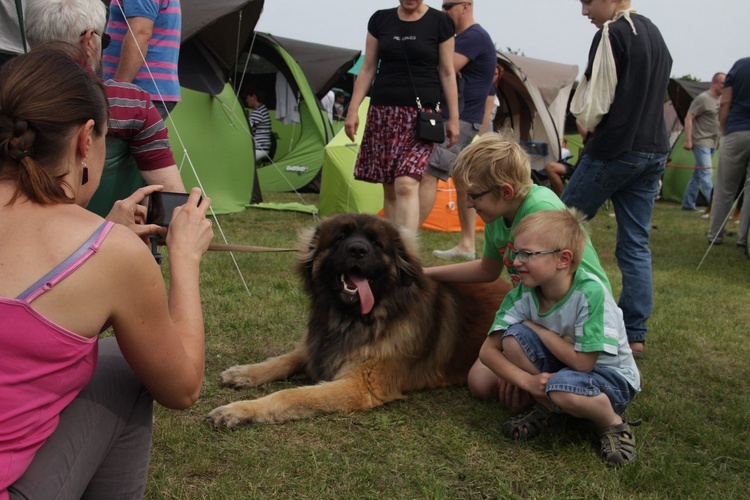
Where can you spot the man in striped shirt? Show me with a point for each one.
(145, 48)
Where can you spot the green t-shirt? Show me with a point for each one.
(498, 236)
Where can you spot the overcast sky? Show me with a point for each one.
(704, 36)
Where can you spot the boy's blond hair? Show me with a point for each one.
(491, 161)
(564, 229)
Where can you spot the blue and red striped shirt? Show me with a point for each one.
(163, 49)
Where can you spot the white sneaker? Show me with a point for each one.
(454, 253)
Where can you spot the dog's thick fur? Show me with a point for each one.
(418, 334)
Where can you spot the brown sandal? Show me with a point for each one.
(533, 423)
(618, 443)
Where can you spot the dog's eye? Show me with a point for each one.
(375, 241)
(343, 233)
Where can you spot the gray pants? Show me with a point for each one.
(442, 159)
(102, 444)
(734, 162)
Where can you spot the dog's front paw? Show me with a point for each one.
(230, 416)
(239, 376)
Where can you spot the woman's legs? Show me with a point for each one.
(102, 444)
(401, 202)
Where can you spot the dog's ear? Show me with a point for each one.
(307, 245)
(407, 260)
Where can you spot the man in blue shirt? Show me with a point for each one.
(474, 59)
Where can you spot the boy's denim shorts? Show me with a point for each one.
(601, 380)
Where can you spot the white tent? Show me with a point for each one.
(533, 102)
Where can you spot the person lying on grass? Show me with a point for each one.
(560, 336)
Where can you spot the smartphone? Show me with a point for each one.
(161, 204)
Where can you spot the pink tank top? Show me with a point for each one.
(44, 367)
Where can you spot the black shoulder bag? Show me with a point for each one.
(430, 125)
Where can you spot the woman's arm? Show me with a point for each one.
(163, 338)
(447, 75)
(361, 86)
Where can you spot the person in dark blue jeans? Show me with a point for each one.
(626, 157)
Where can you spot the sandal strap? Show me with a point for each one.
(532, 423)
(618, 443)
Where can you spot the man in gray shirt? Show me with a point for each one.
(702, 137)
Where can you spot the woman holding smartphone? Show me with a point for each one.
(77, 410)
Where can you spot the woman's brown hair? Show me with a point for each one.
(44, 96)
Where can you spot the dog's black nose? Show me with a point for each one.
(357, 249)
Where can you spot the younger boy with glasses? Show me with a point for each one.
(495, 174)
(560, 336)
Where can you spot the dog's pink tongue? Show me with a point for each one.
(366, 300)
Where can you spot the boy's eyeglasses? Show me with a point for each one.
(449, 5)
(106, 39)
(476, 196)
(525, 256)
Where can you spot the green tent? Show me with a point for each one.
(309, 70)
(339, 191)
(220, 156)
(208, 130)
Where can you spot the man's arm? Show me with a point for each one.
(459, 61)
(724, 105)
(689, 131)
(488, 106)
(134, 48)
(169, 177)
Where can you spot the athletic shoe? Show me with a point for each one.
(454, 253)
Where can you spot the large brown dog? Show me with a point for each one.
(378, 327)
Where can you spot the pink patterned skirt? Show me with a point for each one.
(390, 147)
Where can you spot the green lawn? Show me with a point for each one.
(695, 402)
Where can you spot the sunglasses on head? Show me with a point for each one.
(449, 5)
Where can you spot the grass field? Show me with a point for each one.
(694, 441)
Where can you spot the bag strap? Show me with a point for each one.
(411, 78)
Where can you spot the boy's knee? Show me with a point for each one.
(563, 400)
(513, 350)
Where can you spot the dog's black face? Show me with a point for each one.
(355, 260)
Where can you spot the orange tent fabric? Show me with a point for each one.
(444, 215)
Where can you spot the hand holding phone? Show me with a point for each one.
(161, 205)
(190, 232)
